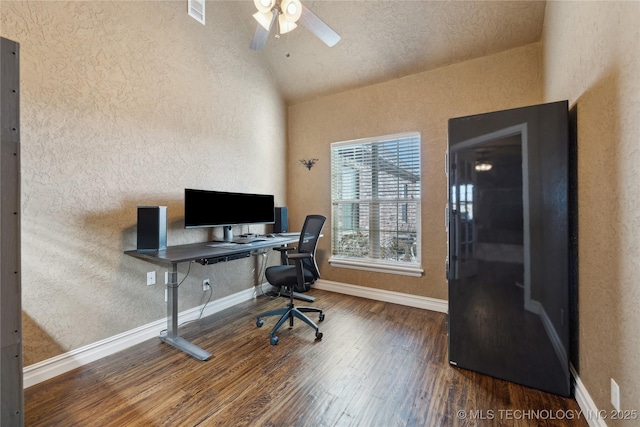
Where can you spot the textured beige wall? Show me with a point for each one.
(126, 104)
(421, 102)
(592, 58)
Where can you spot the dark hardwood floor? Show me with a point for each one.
(378, 364)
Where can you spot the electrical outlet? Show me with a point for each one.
(151, 278)
(615, 395)
(206, 285)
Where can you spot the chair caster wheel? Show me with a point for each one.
(274, 340)
(321, 317)
(318, 335)
(259, 323)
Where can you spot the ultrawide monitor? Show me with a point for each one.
(203, 208)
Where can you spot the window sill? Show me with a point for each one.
(403, 269)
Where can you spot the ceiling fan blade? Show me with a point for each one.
(262, 34)
(259, 38)
(317, 26)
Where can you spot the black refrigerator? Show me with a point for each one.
(508, 225)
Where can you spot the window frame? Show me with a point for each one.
(411, 267)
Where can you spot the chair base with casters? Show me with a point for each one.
(290, 312)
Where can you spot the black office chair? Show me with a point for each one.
(300, 275)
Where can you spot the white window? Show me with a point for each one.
(375, 204)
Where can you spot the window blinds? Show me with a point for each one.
(375, 192)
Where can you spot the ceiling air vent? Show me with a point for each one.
(196, 10)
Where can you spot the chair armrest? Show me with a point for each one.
(300, 256)
(284, 256)
(284, 248)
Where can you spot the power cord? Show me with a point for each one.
(185, 276)
(202, 309)
(263, 268)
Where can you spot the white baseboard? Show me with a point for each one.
(590, 411)
(417, 301)
(47, 369)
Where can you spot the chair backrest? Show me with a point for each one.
(309, 241)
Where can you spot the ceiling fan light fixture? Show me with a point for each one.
(264, 6)
(291, 9)
(483, 166)
(264, 19)
(284, 25)
(288, 13)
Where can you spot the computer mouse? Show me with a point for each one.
(271, 235)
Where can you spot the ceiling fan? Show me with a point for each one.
(287, 13)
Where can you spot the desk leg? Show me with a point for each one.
(172, 337)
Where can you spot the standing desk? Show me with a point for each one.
(205, 253)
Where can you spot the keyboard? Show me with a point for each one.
(289, 234)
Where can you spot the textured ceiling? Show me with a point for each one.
(383, 40)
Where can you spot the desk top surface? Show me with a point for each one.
(203, 250)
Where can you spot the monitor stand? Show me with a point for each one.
(228, 233)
